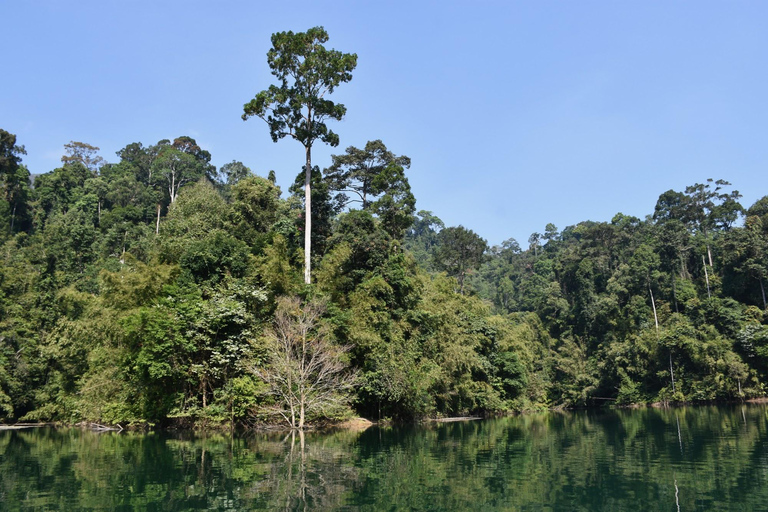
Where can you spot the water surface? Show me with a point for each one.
(693, 458)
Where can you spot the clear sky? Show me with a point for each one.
(514, 113)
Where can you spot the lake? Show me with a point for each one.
(688, 458)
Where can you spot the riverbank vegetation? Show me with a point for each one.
(156, 288)
(126, 300)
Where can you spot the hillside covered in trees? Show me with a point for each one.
(156, 288)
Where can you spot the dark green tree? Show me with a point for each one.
(14, 182)
(180, 163)
(421, 238)
(460, 251)
(376, 177)
(760, 209)
(233, 172)
(748, 251)
(363, 172)
(396, 206)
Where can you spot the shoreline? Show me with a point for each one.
(358, 424)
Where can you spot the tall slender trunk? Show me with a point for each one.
(709, 253)
(122, 257)
(157, 225)
(671, 372)
(762, 289)
(706, 276)
(653, 304)
(172, 187)
(308, 217)
(13, 216)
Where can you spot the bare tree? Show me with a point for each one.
(83, 153)
(305, 370)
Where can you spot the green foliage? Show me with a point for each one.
(377, 178)
(307, 71)
(276, 269)
(216, 256)
(460, 251)
(421, 240)
(366, 244)
(139, 292)
(14, 187)
(256, 207)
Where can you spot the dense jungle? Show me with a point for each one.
(156, 289)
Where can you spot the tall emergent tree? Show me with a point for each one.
(297, 107)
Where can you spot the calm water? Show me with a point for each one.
(696, 458)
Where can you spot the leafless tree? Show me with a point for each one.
(305, 371)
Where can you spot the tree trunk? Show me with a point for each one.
(684, 274)
(762, 289)
(13, 216)
(671, 373)
(653, 303)
(157, 225)
(122, 257)
(172, 188)
(706, 276)
(308, 217)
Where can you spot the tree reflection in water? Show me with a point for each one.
(694, 458)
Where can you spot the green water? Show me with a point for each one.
(694, 458)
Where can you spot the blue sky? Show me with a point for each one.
(515, 114)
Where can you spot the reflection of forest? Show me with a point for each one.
(597, 460)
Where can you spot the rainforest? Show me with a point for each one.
(155, 289)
